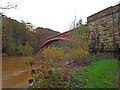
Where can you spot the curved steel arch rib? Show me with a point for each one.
(52, 40)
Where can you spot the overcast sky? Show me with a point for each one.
(56, 14)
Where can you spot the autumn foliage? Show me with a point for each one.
(19, 38)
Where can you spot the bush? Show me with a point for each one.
(50, 76)
(52, 53)
(78, 55)
(65, 54)
(57, 75)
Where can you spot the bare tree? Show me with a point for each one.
(8, 5)
(75, 23)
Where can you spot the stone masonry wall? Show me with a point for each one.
(105, 26)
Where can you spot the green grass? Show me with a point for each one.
(100, 74)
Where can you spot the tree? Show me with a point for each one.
(73, 24)
(79, 23)
(27, 49)
(10, 48)
(8, 4)
(29, 26)
(76, 23)
(14, 37)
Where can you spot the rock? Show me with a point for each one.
(31, 81)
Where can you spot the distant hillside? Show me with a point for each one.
(44, 33)
(18, 40)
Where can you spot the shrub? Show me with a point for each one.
(56, 75)
(52, 53)
(50, 76)
(78, 55)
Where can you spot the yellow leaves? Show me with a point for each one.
(68, 66)
(78, 54)
(53, 53)
(68, 77)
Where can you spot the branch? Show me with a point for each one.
(9, 6)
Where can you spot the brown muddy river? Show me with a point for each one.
(15, 74)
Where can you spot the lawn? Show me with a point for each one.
(100, 74)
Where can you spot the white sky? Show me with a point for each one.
(56, 14)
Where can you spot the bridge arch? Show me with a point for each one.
(52, 40)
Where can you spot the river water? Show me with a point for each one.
(15, 74)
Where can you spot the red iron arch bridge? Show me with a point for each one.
(80, 34)
(63, 36)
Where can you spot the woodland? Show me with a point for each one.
(18, 39)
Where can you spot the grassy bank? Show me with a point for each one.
(100, 74)
(82, 69)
